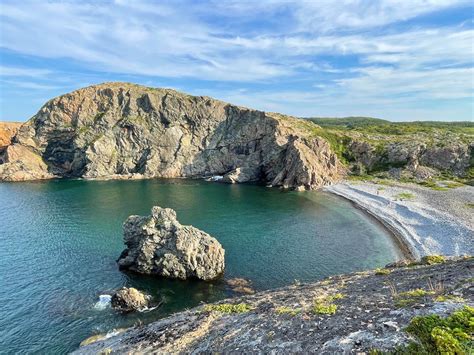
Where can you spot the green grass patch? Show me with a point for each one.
(449, 298)
(325, 305)
(382, 271)
(408, 298)
(228, 308)
(470, 205)
(433, 259)
(288, 311)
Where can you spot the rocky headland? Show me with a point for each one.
(159, 245)
(414, 308)
(121, 130)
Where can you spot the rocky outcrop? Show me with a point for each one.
(357, 313)
(120, 130)
(129, 299)
(7, 131)
(159, 245)
(412, 156)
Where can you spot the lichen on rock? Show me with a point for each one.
(159, 245)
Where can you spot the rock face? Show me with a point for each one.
(417, 158)
(120, 130)
(160, 245)
(7, 131)
(371, 311)
(129, 299)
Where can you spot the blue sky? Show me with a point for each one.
(399, 60)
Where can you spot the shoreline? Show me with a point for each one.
(397, 237)
(422, 221)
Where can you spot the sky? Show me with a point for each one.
(395, 59)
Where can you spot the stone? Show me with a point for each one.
(122, 130)
(240, 285)
(159, 245)
(129, 299)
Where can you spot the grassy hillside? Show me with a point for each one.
(375, 146)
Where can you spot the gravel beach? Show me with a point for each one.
(428, 221)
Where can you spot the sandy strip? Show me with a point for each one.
(430, 222)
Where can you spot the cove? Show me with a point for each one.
(60, 240)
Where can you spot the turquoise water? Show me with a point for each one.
(60, 239)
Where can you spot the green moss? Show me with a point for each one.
(470, 205)
(449, 298)
(433, 259)
(288, 310)
(322, 308)
(228, 308)
(436, 335)
(411, 297)
(382, 271)
(325, 305)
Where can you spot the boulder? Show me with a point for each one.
(159, 245)
(129, 299)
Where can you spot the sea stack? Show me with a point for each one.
(159, 245)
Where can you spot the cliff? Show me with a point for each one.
(121, 130)
(7, 131)
(412, 309)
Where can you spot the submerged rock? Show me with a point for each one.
(240, 285)
(159, 245)
(129, 299)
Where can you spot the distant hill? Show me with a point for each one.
(359, 122)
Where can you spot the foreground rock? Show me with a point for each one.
(129, 299)
(343, 314)
(120, 130)
(159, 245)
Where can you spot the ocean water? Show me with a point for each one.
(59, 241)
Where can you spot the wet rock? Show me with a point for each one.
(240, 285)
(129, 299)
(159, 245)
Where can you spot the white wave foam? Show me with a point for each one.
(104, 302)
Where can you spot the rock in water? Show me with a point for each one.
(160, 245)
(129, 299)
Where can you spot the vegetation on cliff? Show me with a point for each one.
(410, 151)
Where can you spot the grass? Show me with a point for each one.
(470, 205)
(229, 308)
(408, 298)
(288, 310)
(433, 259)
(325, 305)
(405, 196)
(449, 298)
(436, 335)
(382, 271)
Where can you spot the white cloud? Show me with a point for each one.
(183, 39)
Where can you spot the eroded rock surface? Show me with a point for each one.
(372, 310)
(120, 130)
(129, 299)
(159, 245)
(7, 131)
